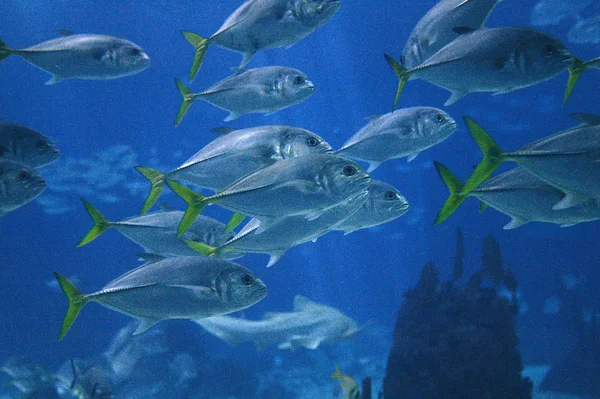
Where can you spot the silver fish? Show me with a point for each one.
(520, 195)
(84, 56)
(436, 28)
(157, 232)
(568, 160)
(384, 204)
(262, 24)
(402, 133)
(25, 145)
(91, 383)
(307, 185)
(497, 60)
(250, 91)
(309, 325)
(283, 233)
(19, 185)
(175, 288)
(235, 155)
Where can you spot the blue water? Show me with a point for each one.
(125, 122)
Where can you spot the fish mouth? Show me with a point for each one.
(364, 182)
(567, 58)
(37, 185)
(260, 293)
(401, 207)
(330, 6)
(144, 61)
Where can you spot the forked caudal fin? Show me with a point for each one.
(101, 224)
(234, 222)
(402, 74)
(77, 301)
(196, 203)
(576, 69)
(493, 156)
(201, 248)
(157, 180)
(5, 51)
(188, 99)
(454, 199)
(201, 45)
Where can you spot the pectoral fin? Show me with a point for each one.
(232, 116)
(144, 325)
(297, 342)
(569, 200)
(411, 157)
(454, 97)
(515, 222)
(54, 79)
(315, 214)
(372, 166)
(275, 256)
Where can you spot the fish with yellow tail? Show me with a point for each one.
(174, 288)
(498, 60)
(263, 24)
(348, 385)
(567, 160)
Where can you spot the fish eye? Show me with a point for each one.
(23, 175)
(390, 195)
(349, 170)
(549, 50)
(135, 51)
(299, 80)
(247, 279)
(41, 144)
(439, 118)
(312, 142)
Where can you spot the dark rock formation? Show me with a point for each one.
(453, 342)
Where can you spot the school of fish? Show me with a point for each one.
(290, 183)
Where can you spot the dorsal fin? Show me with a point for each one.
(149, 257)
(371, 118)
(302, 303)
(586, 119)
(65, 32)
(461, 30)
(223, 130)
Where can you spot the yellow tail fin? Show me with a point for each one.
(201, 45)
(76, 302)
(188, 99)
(196, 204)
(157, 180)
(5, 51)
(101, 224)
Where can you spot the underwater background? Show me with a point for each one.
(105, 128)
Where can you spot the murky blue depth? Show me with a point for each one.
(105, 128)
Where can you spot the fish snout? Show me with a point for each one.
(144, 60)
(260, 292)
(401, 206)
(329, 7)
(567, 57)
